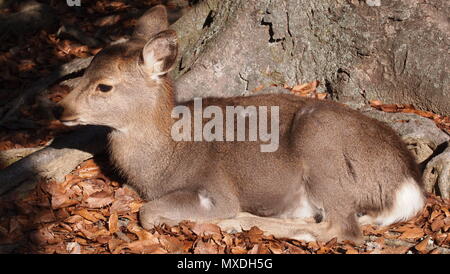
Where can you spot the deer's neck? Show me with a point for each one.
(143, 149)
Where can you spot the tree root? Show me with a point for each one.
(54, 161)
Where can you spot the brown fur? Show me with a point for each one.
(342, 162)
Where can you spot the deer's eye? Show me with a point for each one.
(104, 88)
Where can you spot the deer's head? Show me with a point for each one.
(126, 79)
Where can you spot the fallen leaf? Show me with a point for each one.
(305, 89)
(238, 250)
(86, 214)
(438, 224)
(98, 200)
(422, 246)
(172, 244)
(113, 223)
(412, 233)
(142, 234)
(206, 229)
(208, 247)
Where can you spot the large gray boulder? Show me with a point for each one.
(395, 51)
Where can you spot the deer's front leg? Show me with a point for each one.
(197, 206)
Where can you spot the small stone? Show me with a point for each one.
(373, 3)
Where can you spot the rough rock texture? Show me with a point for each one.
(396, 51)
(437, 174)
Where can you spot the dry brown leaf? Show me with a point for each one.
(446, 212)
(238, 250)
(434, 214)
(227, 239)
(73, 219)
(206, 229)
(89, 231)
(86, 214)
(91, 186)
(107, 20)
(43, 236)
(142, 247)
(305, 89)
(275, 248)
(395, 250)
(350, 250)
(323, 250)
(254, 250)
(44, 216)
(435, 251)
(125, 200)
(142, 234)
(331, 242)
(412, 233)
(113, 245)
(172, 244)
(208, 247)
(255, 235)
(440, 238)
(389, 107)
(113, 223)
(98, 199)
(89, 171)
(135, 206)
(422, 246)
(438, 224)
(62, 196)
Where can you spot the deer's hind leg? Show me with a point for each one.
(297, 228)
(197, 206)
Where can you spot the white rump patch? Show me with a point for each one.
(408, 201)
(205, 202)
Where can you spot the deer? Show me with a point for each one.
(335, 169)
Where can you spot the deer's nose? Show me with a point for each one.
(58, 111)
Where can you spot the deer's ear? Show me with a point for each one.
(160, 53)
(151, 23)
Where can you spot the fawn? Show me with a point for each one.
(334, 168)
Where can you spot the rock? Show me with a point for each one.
(437, 173)
(8, 157)
(373, 3)
(395, 51)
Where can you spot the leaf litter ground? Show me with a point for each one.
(91, 212)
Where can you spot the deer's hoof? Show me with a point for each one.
(149, 219)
